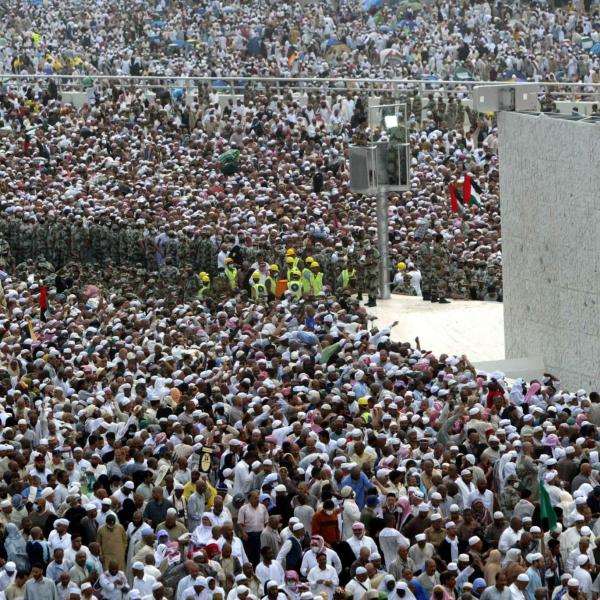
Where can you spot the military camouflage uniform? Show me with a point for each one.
(372, 274)
(424, 263)
(7, 262)
(439, 273)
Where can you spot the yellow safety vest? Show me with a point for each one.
(271, 284)
(346, 275)
(317, 284)
(296, 288)
(231, 275)
(258, 290)
(203, 291)
(307, 280)
(291, 267)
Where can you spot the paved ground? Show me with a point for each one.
(472, 328)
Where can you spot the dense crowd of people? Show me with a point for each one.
(135, 181)
(482, 40)
(156, 448)
(196, 402)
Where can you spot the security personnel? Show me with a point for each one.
(363, 406)
(293, 263)
(295, 285)
(271, 281)
(347, 278)
(204, 285)
(317, 278)
(307, 276)
(231, 273)
(259, 290)
(289, 261)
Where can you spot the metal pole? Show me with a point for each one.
(383, 244)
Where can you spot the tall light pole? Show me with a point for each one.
(381, 166)
(383, 244)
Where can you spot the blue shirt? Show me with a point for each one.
(359, 487)
(360, 390)
(535, 582)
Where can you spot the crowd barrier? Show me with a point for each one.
(186, 88)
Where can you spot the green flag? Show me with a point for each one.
(546, 509)
(329, 352)
(475, 198)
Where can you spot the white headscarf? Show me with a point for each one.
(203, 533)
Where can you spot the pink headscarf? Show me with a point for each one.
(318, 539)
(404, 504)
(446, 596)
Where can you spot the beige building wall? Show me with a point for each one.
(550, 202)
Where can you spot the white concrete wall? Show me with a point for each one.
(550, 201)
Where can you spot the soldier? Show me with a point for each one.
(424, 260)
(417, 107)
(328, 266)
(6, 259)
(221, 289)
(191, 284)
(206, 255)
(114, 250)
(185, 249)
(372, 270)
(170, 275)
(478, 281)
(439, 276)
(458, 281)
(135, 242)
(80, 242)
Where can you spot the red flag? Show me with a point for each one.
(467, 190)
(453, 200)
(43, 302)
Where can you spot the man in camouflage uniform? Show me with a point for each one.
(371, 271)
(459, 286)
(7, 262)
(169, 275)
(424, 263)
(417, 107)
(450, 115)
(439, 274)
(80, 241)
(493, 283)
(206, 255)
(149, 250)
(478, 281)
(191, 284)
(135, 242)
(327, 266)
(185, 248)
(13, 237)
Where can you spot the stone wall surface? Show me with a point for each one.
(550, 202)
